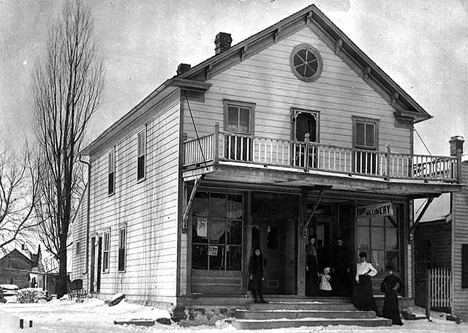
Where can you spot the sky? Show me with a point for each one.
(94, 316)
(422, 45)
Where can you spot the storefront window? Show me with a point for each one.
(217, 231)
(378, 236)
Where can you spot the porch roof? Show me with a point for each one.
(253, 175)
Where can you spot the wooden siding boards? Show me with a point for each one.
(460, 236)
(266, 80)
(148, 208)
(78, 234)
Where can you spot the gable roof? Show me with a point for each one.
(405, 106)
(12, 253)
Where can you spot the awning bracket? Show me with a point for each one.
(189, 203)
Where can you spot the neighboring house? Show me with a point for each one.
(290, 132)
(442, 242)
(20, 267)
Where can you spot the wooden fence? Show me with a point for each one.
(439, 284)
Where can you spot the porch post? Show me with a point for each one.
(301, 243)
(216, 145)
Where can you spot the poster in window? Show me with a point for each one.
(202, 227)
(213, 251)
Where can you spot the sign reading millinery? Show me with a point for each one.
(384, 209)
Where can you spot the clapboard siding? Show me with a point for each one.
(78, 260)
(460, 235)
(266, 80)
(148, 208)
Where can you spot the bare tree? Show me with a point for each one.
(67, 88)
(19, 191)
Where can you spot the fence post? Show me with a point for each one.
(428, 294)
(216, 144)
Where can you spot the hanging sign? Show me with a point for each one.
(384, 209)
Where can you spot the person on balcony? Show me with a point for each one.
(363, 297)
(256, 264)
(391, 286)
(311, 267)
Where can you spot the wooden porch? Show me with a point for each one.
(223, 148)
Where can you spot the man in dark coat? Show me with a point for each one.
(256, 275)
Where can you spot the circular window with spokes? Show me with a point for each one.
(306, 62)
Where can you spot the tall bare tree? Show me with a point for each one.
(67, 88)
(19, 192)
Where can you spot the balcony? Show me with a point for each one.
(223, 148)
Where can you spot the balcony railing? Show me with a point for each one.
(311, 156)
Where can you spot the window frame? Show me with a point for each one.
(464, 266)
(239, 104)
(366, 155)
(122, 249)
(106, 251)
(313, 50)
(141, 154)
(366, 121)
(210, 219)
(111, 172)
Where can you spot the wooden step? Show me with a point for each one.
(283, 312)
(253, 324)
(302, 305)
(299, 314)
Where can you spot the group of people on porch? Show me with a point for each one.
(358, 287)
(318, 278)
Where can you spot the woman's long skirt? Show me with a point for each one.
(390, 307)
(363, 297)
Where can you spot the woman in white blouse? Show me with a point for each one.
(363, 297)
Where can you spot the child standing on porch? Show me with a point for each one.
(256, 275)
(325, 286)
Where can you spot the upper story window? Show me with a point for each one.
(141, 164)
(306, 62)
(238, 117)
(366, 137)
(366, 131)
(238, 122)
(106, 252)
(122, 247)
(111, 173)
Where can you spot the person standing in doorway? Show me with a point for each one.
(311, 267)
(256, 264)
(341, 267)
(391, 286)
(363, 297)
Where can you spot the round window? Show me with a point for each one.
(306, 62)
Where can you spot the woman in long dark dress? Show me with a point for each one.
(391, 286)
(256, 275)
(363, 297)
(311, 267)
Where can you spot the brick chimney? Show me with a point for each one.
(222, 42)
(456, 143)
(182, 68)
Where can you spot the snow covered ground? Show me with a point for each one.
(95, 316)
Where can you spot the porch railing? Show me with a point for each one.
(306, 155)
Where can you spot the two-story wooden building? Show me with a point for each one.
(290, 132)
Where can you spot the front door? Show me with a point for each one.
(268, 234)
(274, 230)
